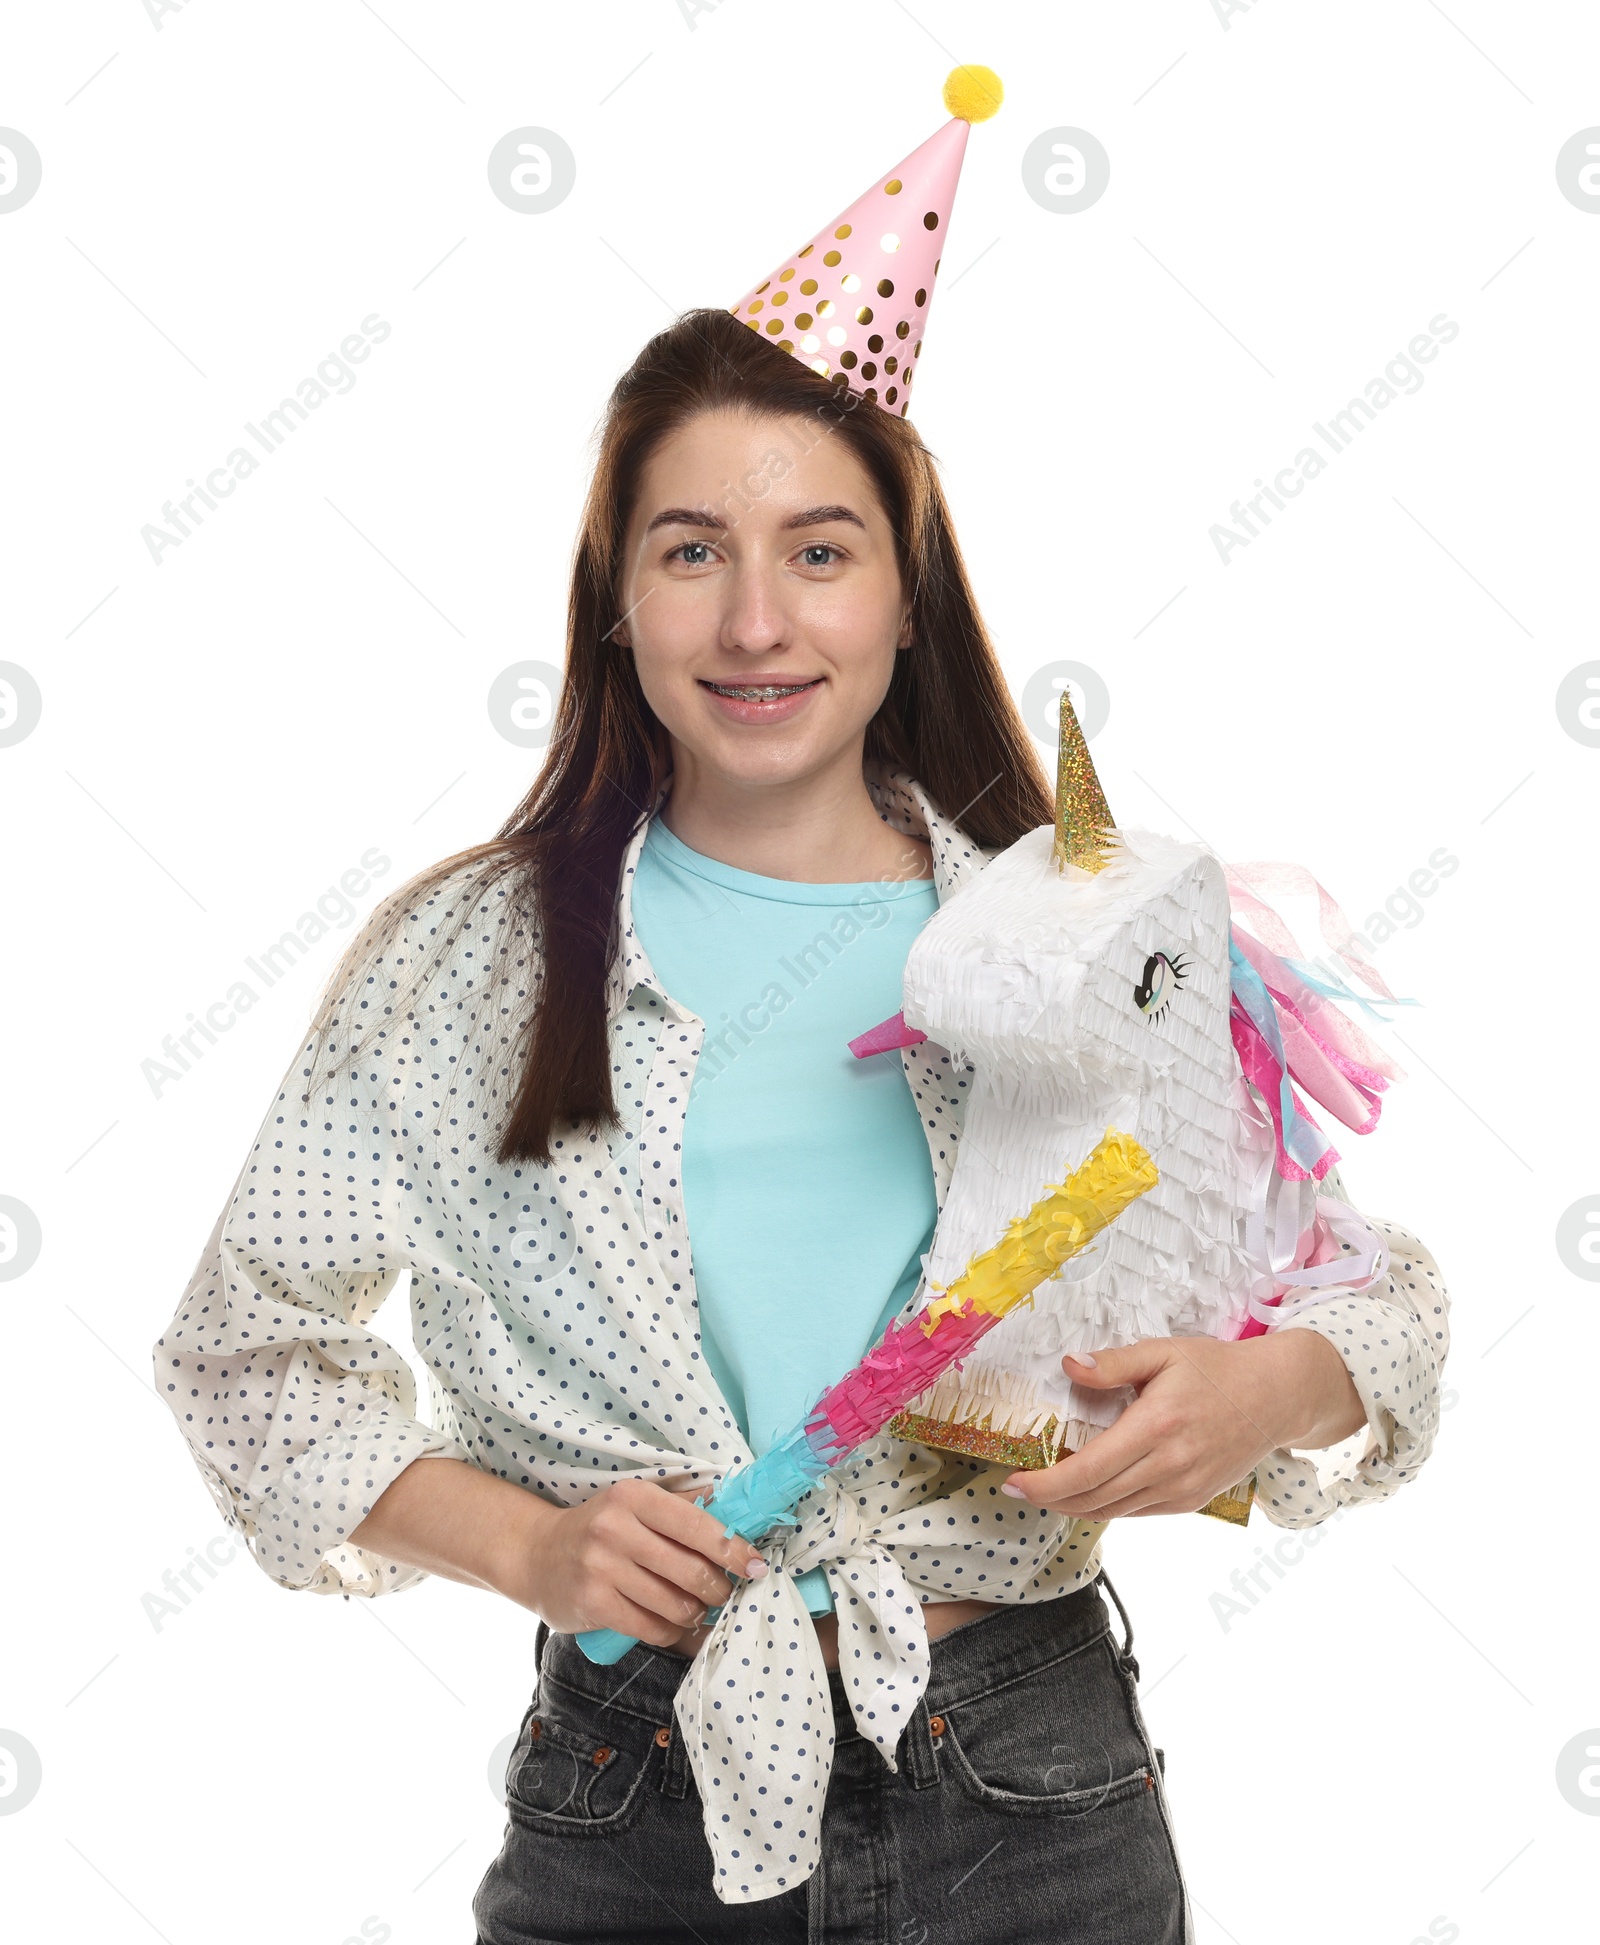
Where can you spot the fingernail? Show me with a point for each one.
(1016, 1492)
(1082, 1357)
(756, 1568)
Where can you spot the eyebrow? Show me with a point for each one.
(704, 517)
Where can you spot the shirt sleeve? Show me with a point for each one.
(1394, 1339)
(297, 1414)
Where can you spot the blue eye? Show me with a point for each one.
(1162, 978)
(703, 545)
(821, 547)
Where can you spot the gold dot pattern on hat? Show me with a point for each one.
(833, 257)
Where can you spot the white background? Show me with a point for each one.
(1371, 1749)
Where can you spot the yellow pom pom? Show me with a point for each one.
(973, 94)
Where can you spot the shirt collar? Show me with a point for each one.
(900, 801)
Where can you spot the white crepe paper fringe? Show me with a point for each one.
(1028, 974)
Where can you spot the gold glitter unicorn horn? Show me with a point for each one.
(1083, 819)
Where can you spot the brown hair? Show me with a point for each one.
(948, 718)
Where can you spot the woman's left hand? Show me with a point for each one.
(1206, 1413)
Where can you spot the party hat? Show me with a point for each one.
(853, 303)
(1083, 818)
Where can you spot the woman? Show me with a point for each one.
(780, 710)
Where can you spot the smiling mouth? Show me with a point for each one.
(758, 691)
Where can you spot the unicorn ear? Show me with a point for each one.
(1083, 820)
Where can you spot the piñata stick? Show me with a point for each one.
(915, 1352)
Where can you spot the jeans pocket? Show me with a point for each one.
(568, 1774)
(1059, 1741)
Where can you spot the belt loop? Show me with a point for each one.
(1126, 1650)
(540, 1634)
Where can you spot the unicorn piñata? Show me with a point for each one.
(1096, 977)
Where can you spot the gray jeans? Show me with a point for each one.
(1029, 1805)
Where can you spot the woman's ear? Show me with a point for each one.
(905, 630)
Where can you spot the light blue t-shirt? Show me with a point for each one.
(807, 1181)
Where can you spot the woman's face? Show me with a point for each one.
(761, 597)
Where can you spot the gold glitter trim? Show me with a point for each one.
(1083, 819)
(1025, 1454)
(1231, 1506)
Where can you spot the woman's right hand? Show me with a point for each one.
(636, 1556)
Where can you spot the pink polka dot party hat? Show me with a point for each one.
(853, 303)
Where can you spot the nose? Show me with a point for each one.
(754, 619)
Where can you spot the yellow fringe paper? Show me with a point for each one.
(1066, 1218)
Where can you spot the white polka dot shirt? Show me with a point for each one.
(555, 1310)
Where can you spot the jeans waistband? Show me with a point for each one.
(970, 1661)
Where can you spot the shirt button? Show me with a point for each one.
(601, 1754)
(936, 1724)
(536, 1731)
(663, 1737)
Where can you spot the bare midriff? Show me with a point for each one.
(940, 1616)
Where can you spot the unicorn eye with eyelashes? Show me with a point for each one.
(1162, 978)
